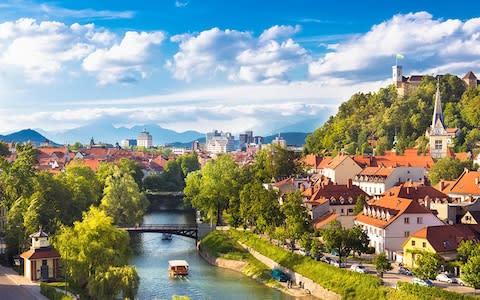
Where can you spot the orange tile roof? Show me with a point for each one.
(312, 160)
(331, 190)
(467, 183)
(395, 206)
(325, 162)
(325, 220)
(462, 156)
(415, 192)
(336, 161)
(92, 163)
(445, 186)
(40, 253)
(446, 238)
(376, 171)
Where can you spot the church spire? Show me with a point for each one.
(437, 110)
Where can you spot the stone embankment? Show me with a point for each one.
(308, 285)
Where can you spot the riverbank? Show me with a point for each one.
(220, 250)
(342, 282)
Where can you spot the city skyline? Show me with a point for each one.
(203, 65)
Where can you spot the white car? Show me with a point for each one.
(337, 263)
(446, 278)
(359, 268)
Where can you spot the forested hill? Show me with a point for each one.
(384, 114)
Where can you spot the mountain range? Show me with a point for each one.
(109, 134)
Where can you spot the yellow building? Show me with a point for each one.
(41, 262)
(442, 240)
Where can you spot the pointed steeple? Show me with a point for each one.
(437, 110)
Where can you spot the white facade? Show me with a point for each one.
(390, 239)
(144, 139)
(219, 142)
(343, 171)
(377, 185)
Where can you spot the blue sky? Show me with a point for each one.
(230, 65)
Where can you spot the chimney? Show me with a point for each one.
(476, 180)
(408, 190)
(442, 185)
(349, 183)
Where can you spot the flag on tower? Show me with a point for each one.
(399, 56)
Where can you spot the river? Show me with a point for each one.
(151, 256)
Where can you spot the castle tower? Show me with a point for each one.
(470, 80)
(438, 136)
(397, 75)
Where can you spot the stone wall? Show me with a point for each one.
(308, 284)
(234, 265)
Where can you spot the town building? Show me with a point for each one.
(471, 80)
(340, 169)
(404, 85)
(280, 142)
(376, 180)
(41, 262)
(144, 139)
(440, 137)
(471, 217)
(219, 142)
(128, 143)
(390, 220)
(442, 240)
(245, 139)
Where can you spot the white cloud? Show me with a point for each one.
(424, 41)
(126, 61)
(56, 11)
(180, 4)
(238, 54)
(41, 48)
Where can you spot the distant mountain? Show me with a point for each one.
(25, 135)
(107, 133)
(292, 138)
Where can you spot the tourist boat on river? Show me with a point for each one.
(177, 268)
(166, 236)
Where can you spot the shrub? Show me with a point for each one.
(51, 293)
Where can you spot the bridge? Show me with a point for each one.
(187, 230)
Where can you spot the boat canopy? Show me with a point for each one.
(178, 263)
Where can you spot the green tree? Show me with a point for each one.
(284, 162)
(467, 249)
(358, 239)
(4, 149)
(122, 199)
(382, 264)
(316, 248)
(471, 271)
(91, 249)
(189, 163)
(446, 169)
(428, 265)
(259, 207)
(173, 176)
(296, 217)
(115, 280)
(344, 241)
(215, 188)
(361, 202)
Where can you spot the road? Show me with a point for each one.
(15, 287)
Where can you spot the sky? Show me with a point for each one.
(227, 65)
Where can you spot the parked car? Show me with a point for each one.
(461, 282)
(405, 271)
(422, 282)
(359, 268)
(326, 259)
(302, 251)
(446, 278)
(337, 263)
(279, 275)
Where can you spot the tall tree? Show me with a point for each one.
(296, 217)
(381, 263)
(428, 265)
(91, 250)
(4, 149)
(361, 202)
(471, 271)
(217, 187)
(122, 200)
(446, 168)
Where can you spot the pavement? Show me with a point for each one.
(16, 287)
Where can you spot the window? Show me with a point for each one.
(438, 145)
(341, 210)
(413, 243)
(424, 245)
(419, 220)
(407, 233)
(406, 220)
(350, 210)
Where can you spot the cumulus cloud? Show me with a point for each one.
(41, 48)
(238, 54)
(427, 43)
(180, 4)
(126, 61)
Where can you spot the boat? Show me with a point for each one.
(177, 268)
(166, 236)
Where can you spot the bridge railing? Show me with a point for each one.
(162, 226)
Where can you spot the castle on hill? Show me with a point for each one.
(406, 85)
(440, 136)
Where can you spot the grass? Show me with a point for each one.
(49, 291)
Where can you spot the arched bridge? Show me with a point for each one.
(187, 230)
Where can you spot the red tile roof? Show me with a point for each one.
(325, 220)
(415, 192)
(376, 171)
(446, 238)
(312, 161)
(40, 253)
(462, 156)
(409, 158)
(468, 183)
